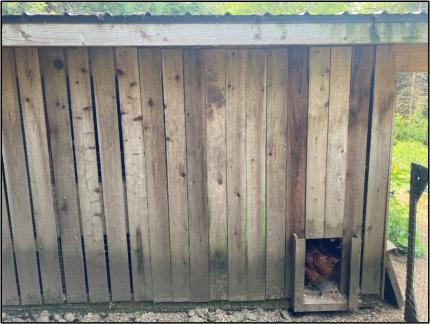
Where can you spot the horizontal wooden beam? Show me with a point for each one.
(412, 58)
(221, 34)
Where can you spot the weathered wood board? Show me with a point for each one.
(102, 60)
(359, 104)
(256, 171)
(127, 68)
(198, 213)
(89, 187)
(9, 288)
(297, 117)
(215, 74)
(319, 92)
(181, 174)
(53, 66)
(15, 177)
(150, 72)
(379, 166)
(217, 34)
(39, 167)
(174, 116)
(276, 157)
(340, 72)
(236, 173)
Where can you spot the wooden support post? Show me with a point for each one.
(354, 275)
(299, 249)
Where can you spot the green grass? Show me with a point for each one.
(410, 145)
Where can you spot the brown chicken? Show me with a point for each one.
(318, 267)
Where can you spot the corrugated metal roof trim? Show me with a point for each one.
(106, 17)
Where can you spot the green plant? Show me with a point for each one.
(405, 152)
(411, 128)
(398, 228)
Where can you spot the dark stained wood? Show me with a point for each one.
(155, 157)
(359, 102)
(297, 117)
(197, 173)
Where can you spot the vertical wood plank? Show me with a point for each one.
(112, 182)
(337, 140)
(277, 78)
(36, 139)
(9, 289)
(256, 172)
(54, 77)
(13, 157)
(354, 278)
(319, 90)
(216, 172)
(379, 169)
(87, 171)
(197, 173)
(297, 117)
(299, 250)
(155, 156)
(134, 159)
(236, 172)
(174, 113)
(359, 102)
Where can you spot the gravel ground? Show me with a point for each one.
(421, 287)
(380, 313)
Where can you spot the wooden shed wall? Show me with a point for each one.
(181, 174)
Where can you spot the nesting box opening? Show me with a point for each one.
(322, 270)
(323, 263)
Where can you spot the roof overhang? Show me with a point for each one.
(226, 30)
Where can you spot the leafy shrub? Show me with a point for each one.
(411, 128)
(398, 228)
(405, 152)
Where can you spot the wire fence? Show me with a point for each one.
(416, 303)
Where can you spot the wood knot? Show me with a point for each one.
(183, 174)
(150, 102)
(59, 64)
(177, 77)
